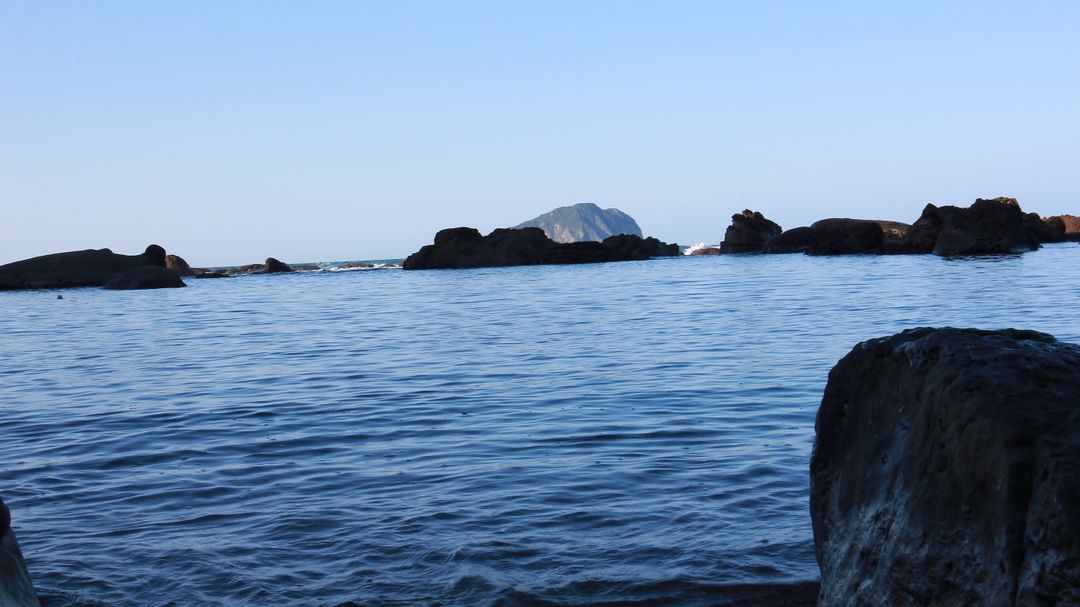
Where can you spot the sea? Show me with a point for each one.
(632, 433)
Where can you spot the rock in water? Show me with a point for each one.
(584, 221)
(986, 227)
(145, 277)
(748, 233)
(178, 265)
(16, 589)
(946, 471)
(466, 248)
(89, 268)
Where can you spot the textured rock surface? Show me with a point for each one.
(89, 268)
(986, 227)
(178, 265)
(1070, 226)
(748, 233)
(584, 221)
(145, 277)
(466, 248)
(842, 236)
(946, 471)
(16, 589)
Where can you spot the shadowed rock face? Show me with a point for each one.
(16, 589)
(145, 277)
(1067, 225)
(466, 248)
(986, 227)
(89, 268)
(946, 471)
(584, 221)
(748, 233)
(835, 236)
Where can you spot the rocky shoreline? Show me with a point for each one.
(987, 227)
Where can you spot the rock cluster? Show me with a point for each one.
(467, 248)
(90, 268)
(946, 471)
(993, 226)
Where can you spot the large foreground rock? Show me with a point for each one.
(946, 471)
(89, 268)
(585, 221)
(16, 589)
(466, 248)
(986, 227)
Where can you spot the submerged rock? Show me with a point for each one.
(748, 233)
(466, 248)
(986, 227)
(16, 589)
(946, 471)
(89, 268)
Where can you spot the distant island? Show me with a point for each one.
(583, 222)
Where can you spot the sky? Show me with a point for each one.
(228, 132)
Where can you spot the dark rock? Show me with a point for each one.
(89, 268)
(986, 227)
(748, 233)
(795, 240)
(1052, 230)
(466, 248)
(585, 252)
(274, 266)
(1070, 226)
(707, 251)
(16, 588)
(841, 236)
(630, 245)
(145, 277)
(178, 265)
(584, 221)
(946, 471)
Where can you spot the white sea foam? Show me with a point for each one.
(701, 245)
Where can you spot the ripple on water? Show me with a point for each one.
(633, 434)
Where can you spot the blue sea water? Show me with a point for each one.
(633, 433)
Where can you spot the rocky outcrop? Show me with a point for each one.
(836, 236)
(178, 265)
(946, 471)
(842, 236)
(1068, 226)
(631, 246)
(584, 221)
(795, 240)
(89, 268)
(986, 227)
(748, 233)
(145, 277)
(16, 589)
(466, 248)
(270, 266)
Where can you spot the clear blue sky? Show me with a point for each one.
(231, 131)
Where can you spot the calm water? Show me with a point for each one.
(633, 432)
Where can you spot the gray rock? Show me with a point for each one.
(16, 589)
(946, 471)
(584, 221)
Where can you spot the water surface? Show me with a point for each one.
(636, 433)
